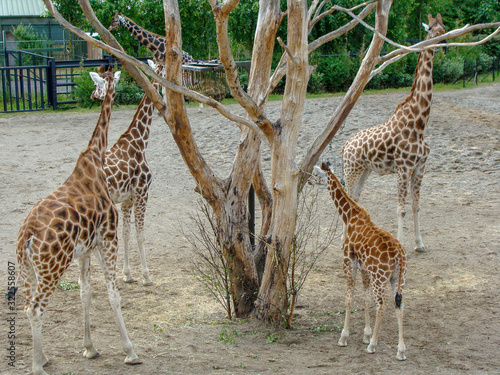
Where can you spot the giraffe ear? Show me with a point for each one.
(117, 76)
(96, 78)
(152, 64)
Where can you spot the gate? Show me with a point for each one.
(32, 82)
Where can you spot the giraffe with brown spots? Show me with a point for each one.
(398, 146)
(129, 176)
(375, 252)
(75, 220)
(154, 42)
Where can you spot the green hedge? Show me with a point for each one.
(127, 91)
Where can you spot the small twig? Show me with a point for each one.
(287, 51)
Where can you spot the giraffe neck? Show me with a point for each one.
(155, 43)
(346, 207)
(420, 97)
(99, 140)
(139, 129)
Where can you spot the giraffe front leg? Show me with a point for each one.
(139, 212)
(107, 257)
(415, 192)
(350, 273)
(126, 213)
(86, 295)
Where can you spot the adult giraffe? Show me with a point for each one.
(398, 146)
(129, 177)
(73, 221)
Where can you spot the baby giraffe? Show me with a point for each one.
(75, 220)
(375, 252)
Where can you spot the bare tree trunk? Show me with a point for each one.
(273, 297)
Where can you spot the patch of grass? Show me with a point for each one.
(272, 337)
(68, 285)
(157, 328)
(228, 337)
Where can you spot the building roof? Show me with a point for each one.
(9, 8)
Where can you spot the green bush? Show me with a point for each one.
(127, 91)
(447, 67)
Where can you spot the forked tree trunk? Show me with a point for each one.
(272, 304)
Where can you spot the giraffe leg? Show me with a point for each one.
(402, 192)
(350, 273)
(107, 258)
(139, 212)
(416, 181)
(378, 291)
(34, 311)
(401, 344)
(126, 213)
(367, 332)
(85, 295)
(399, 314)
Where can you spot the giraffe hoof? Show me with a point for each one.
(148, 283)
(401, 357)
(420, 249)
(370, 349)
(128, 279)
(133, 361)
(91, 353)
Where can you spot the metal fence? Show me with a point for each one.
(32, 82)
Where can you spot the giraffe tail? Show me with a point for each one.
(24, 260)
(398, 299)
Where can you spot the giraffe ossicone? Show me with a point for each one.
(74, 221)
(378, 255)
(398, 145)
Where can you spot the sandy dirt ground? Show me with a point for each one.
(452, 304)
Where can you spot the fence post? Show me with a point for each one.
(52, 83)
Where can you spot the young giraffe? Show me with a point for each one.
(375, 252)
(398, 146)
(76, 219)
(129, 176)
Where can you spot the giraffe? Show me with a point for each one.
(129, 177)
(398, 145)
(156, 44)
(73, 221)
(375, 252)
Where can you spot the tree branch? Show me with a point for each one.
(221, 15)
(342, 30)
(431, 43)
(131, 64)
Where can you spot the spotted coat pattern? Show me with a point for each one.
(378, 255)
(397, 146)
(73, 221)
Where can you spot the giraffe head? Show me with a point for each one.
(319, 177)
(115, 22)
(101, 81)
(157, 67)
(435, 27)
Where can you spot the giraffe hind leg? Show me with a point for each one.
(107, 259)
(139, 212)
(416, 181)
(85, 295)
(126, 214)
